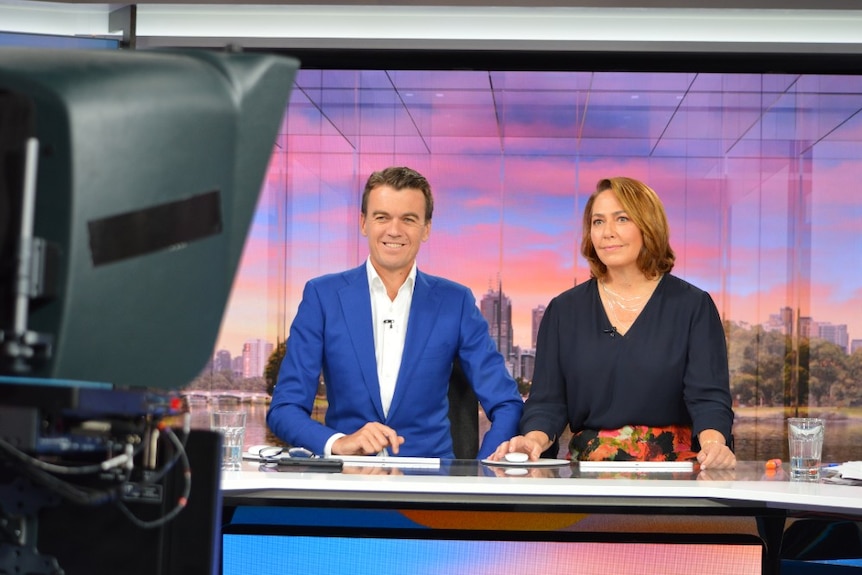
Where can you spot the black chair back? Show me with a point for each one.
(463, 414)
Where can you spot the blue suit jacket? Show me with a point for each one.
(332, 332)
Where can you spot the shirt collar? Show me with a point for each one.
(375, 282)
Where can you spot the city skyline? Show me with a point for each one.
(777, 322)
(250, 362)
(521, 322)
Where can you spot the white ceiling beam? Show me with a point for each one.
(456, 27)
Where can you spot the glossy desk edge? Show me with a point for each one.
(750, 489)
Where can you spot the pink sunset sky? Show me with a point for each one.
(757, 229)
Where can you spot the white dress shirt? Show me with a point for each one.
(389, 320)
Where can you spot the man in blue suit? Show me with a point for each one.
(384, 336)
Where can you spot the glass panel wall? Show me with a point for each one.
(759, 173)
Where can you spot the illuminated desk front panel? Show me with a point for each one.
(467, 495)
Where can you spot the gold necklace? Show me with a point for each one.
(617, 321)
(615, 299)
(618, 296)
(613, 305)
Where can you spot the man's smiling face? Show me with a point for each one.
(395, 226)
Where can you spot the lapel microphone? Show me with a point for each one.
(611, 332)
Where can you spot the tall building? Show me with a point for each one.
(836, 334)
(497, 310)
(538, 314)
(786, 315)
(528, 364)
(255, 354)
(806, 325)
(784, 322)
(237, 366)
(222, 361)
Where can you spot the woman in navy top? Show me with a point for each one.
(634, 360)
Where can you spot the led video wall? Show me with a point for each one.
(758, 173)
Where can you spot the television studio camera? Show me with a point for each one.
(128, 181)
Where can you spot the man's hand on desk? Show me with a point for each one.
(371, 439)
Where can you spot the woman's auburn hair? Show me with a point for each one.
(646, 210)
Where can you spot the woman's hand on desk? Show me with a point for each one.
(533, 444)
(716, 455)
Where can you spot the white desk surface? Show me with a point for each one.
(472, 483)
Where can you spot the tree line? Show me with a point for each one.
(767, 368)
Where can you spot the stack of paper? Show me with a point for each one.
(639, 466)
(389, 461)
(851, 470)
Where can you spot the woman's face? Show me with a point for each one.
(617, 239)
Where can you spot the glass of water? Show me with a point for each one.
(805, 436)
(231, 424)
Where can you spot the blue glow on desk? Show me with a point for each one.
(357, 555)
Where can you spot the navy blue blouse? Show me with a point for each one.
(670, 368)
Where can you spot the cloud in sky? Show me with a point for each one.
(510, 184)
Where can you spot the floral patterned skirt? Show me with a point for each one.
(633, 443)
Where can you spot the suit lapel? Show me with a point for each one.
(420, 325)
(356, 309)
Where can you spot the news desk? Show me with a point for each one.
(472, 491)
